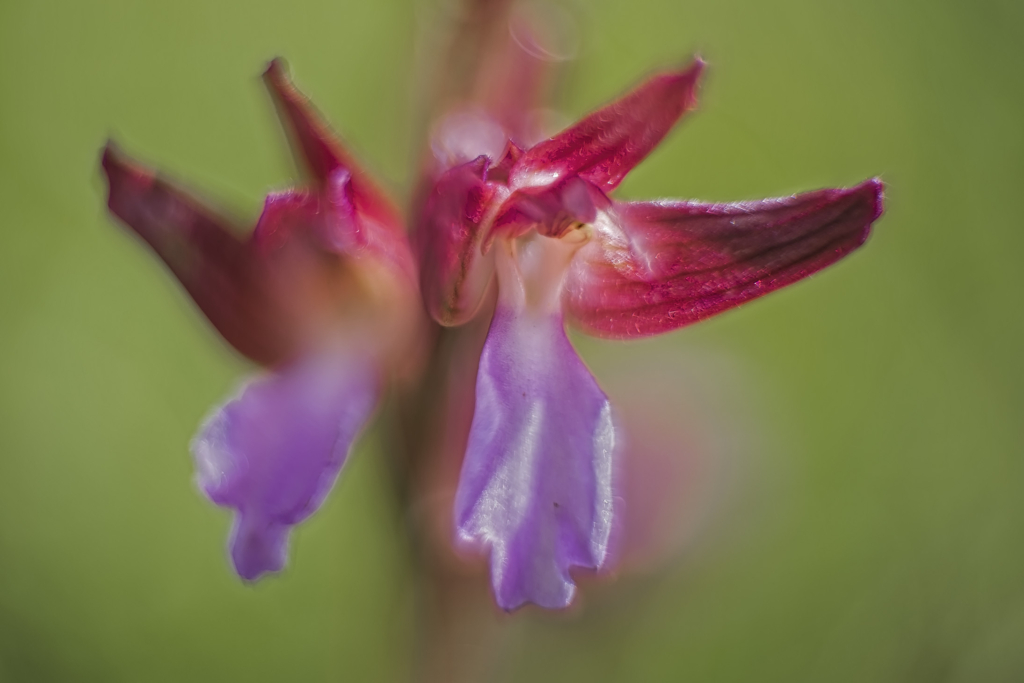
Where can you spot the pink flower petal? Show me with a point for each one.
(605, 145)
(536, 488)
(218, 269)
(454, 274)
(325, 220)
(551, 210)
(656, 266)
(317, 147)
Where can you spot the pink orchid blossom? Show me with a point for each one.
(322, 293)
(539, 487)
(520, 232)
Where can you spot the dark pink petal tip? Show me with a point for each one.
(319, 149)
(315, 144)
(537, 485)
(202, 250)
(652, 267)
(273, 452)
(605, 145)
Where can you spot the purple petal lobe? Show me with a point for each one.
(605, 145)
(273, 452)
(536, 483)
(651, 267)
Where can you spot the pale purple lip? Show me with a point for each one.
(536, 489)
(274, 451)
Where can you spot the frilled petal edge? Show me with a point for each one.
(273, 452)
(537, 488)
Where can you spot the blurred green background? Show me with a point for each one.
(887, 540)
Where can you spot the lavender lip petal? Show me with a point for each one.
(536, 487)
(273, 452)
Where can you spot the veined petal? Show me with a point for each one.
(274, 451)
(201, 248)
(651, 267)
(536, 488)
(454, 273)
(317, 148)
(605, 145)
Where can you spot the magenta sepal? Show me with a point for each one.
(245, 287)
(536, 488)
(202, 249)
(651, 267)
(273, 452)
(318, 149)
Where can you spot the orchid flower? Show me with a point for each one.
(538, 489)
(322, 294)
(327, 295)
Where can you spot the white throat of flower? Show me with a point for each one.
(531, 270)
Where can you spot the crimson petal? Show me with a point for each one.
(605, 145)
(317, 147)
(656, 266)
(217, 268)
(454, 273)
